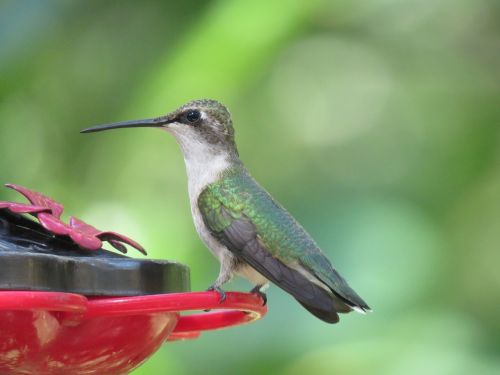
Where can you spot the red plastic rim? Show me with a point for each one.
(237, 309)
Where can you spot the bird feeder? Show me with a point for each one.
(67, 306)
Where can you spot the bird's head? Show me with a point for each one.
(203, 123)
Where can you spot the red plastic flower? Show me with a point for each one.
(48, 212)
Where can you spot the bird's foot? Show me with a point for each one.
(257, 290)
(219, 290)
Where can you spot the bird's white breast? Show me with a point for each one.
(204, 168)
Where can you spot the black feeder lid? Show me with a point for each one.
(31, 258)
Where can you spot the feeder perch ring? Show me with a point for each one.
(237, 309)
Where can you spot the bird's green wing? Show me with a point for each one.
(246, 219)
(239, 234)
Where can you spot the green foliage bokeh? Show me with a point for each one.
(376, 123)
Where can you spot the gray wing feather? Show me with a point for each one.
(241, 238)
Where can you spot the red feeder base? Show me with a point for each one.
(62, 333)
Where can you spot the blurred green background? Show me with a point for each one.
(376, 123)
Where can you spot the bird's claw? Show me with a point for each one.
(219, 290)
(260, 293)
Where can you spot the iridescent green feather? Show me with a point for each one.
(277, 230)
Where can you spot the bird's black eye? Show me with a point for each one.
(193, 116)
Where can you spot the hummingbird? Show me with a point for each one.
(245, 228)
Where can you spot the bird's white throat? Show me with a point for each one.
(204, 163)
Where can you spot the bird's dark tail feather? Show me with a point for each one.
(330, 316)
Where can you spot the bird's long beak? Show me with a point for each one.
(147, 123)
